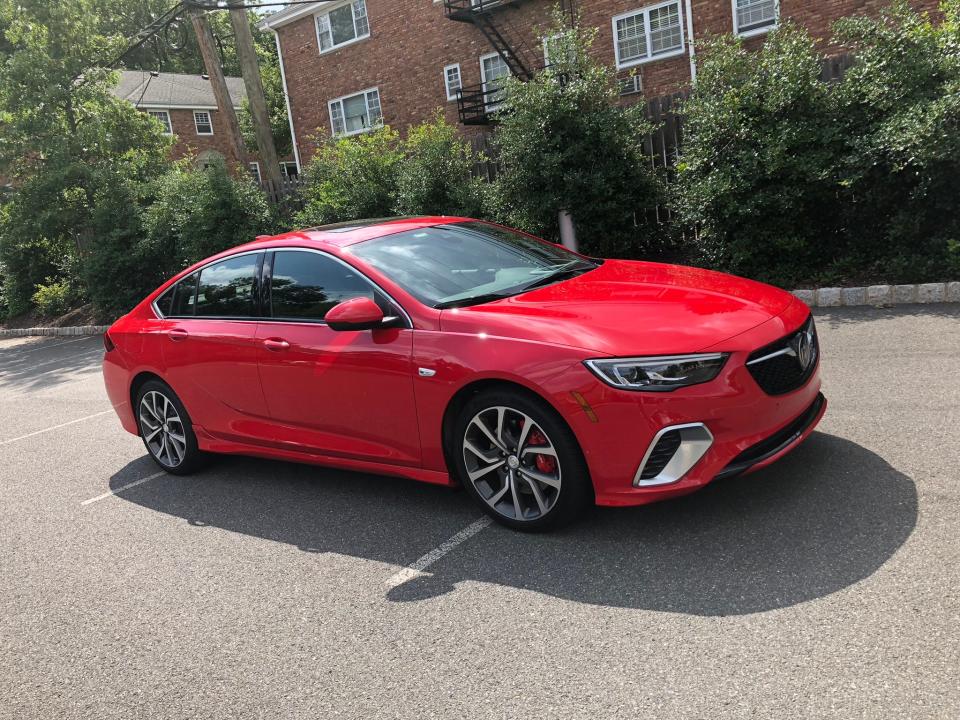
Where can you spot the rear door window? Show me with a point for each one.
(227, 288)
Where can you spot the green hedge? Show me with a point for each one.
(797, 181)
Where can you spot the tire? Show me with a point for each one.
(519, 461)
(166, 430)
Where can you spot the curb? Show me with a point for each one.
(877, 295)
(58, 331)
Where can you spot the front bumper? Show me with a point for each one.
(750, 428)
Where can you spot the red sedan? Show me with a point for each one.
(455, 351)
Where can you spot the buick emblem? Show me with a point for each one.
(803, 348)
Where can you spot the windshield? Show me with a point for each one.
(468, 263)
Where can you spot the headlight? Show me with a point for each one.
(658, 374)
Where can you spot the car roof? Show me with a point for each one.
(348, 233)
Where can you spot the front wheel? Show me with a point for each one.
(166, 430)
(520, 462)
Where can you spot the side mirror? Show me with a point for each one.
(359, 313)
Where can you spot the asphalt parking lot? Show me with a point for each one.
(825, 586)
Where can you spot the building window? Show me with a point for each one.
(289, 169)
(451, 77)
(751, 17)
(201, 118)
(342, 25)
(254, 171)
(648, 34)
(493, 71)
(164, 117)
(354, 114)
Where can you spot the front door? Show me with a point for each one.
(347, 394)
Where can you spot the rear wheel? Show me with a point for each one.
(520, 462)
(166, 430)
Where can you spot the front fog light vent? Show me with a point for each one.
(665, 449)
(672, 453)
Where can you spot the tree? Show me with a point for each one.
(794, 180)
(352, 177)
(434, 178)
(65, 138)
(276, 100)
(757, 171)
(566, 144)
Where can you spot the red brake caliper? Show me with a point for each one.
(545, 463)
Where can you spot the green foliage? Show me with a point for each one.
(352, 177)
(434, 178)
(197, 213)
(794, 180)
(66, 139)
(898, 109)
(757, 165)
(566, 144)
(54, 299)
(124, 264)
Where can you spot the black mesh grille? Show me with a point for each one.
(784, 373)
(665, 449)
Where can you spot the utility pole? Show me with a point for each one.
(212, 62)
(250, 69)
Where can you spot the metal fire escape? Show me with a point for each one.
(476, 104)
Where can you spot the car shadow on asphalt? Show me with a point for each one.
(822, 519)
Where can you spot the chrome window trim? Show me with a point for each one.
(692, 449)
(200, 269)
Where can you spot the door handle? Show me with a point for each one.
(177, 334)
(276, 344)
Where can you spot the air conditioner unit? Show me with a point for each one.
(630, 85)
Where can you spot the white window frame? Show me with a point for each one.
(756, 31)
(154, 113)
(365, 92)
(645, 11)
(255, 166)
(196, 124)
(326, 11)
(285, 168)
(446, 80)
(490, 107)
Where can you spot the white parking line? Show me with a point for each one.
(416, 569)
(111, 493)
(55, 427)
(47, 346)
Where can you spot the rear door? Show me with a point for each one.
(347, 393)
(210, 352)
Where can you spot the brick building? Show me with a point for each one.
(185, 105)
(349, 65)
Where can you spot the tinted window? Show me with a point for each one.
(226, 287)
(306, 285)
(165, 301)
(178, 300)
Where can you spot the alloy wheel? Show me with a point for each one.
(162, 429)
(512, 463)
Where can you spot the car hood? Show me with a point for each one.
(629, 308)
